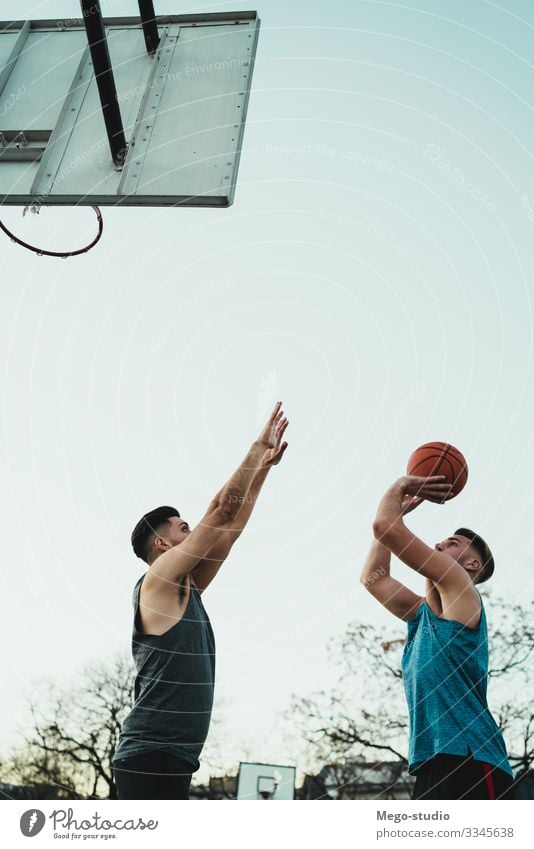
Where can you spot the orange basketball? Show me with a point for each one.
(440, 458)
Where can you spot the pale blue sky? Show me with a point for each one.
(374, 273)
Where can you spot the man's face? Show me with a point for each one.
(457, 547)
(175, 531)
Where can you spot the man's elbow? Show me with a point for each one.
(382, 530)
(365, 582)
(373, 581)
(364, 577)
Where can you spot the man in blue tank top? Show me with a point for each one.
(456, 749)
(173, 644)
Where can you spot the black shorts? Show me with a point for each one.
(152, 775)
(460, 777)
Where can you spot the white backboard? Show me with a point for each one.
(274, 781)
(183, 111)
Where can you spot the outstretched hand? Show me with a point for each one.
(271, 436)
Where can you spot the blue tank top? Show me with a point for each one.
(173, 692)
(445, 669)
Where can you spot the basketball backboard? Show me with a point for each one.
(265, 781)
(183, 109)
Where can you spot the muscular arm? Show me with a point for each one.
(212, 562)
(390, 529)
(377, 580)
(459, 598)
(245, 503)
(177, 562)
(207, 568)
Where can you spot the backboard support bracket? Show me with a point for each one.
(146, 118)
(98, 45)
(150, 27)
(23, 145)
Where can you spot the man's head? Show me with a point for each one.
(471, 552)
(157, 531)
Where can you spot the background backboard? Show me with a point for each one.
(266, 781)
(183, 111)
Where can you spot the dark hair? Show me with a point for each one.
(483, 550)
(147, 526)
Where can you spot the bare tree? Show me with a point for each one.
(366, 715)
(75, 732)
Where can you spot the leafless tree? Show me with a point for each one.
(74, 732)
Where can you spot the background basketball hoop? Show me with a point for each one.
(265, 781)
(268, 785)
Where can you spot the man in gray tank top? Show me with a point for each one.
(173, 644)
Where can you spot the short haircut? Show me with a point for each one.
(483, 550)
(147, 527)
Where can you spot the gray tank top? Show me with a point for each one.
(173, 692)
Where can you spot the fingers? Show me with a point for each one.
(411, 502)
(277, 425)
(438, 496)
(269, 432)
(276, 412)
(430, 487)
(281, 429)
(277, 416)
(434, 488)
(446, 497)
(432, 479)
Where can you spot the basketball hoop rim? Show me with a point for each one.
(58, 254)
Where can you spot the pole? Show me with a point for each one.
(96, 35)
(150, 27)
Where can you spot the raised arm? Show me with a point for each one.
(445, 573)
(177, 562)
(206, 569)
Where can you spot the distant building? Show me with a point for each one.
(524, 788)
(220, 787)
(359, 779)
(35, 791)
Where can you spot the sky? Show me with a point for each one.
(374, 273)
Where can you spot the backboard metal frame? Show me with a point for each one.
(184, 132)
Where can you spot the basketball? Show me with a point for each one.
(440, 458)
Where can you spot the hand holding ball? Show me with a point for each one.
(440, 458)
